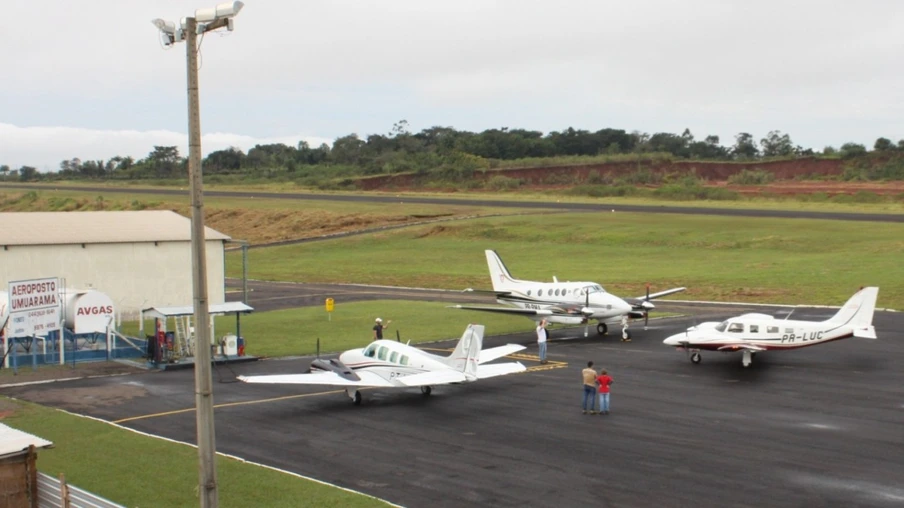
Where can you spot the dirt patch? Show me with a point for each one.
(812, 187)
(56, 372)
(75, 398)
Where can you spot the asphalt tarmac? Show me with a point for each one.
(814, 427)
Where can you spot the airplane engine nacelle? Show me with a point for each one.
(335, 366)
(566, 320)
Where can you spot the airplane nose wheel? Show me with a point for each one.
(355, 395)
(695, 358)
(601, 328)
(426, 390)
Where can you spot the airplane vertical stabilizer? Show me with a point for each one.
(859, 309)
(499, 274)
(466, 356)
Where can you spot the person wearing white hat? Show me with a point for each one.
(379, 327)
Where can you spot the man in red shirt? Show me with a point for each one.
(604, 380)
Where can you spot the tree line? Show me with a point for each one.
(448, 152)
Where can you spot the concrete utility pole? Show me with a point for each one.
(207, 480)
(205, 20)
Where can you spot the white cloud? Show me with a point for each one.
(46, 147)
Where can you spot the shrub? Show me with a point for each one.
(751, 177)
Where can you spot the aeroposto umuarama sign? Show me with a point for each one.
(34, 307)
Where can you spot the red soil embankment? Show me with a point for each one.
(712, 171)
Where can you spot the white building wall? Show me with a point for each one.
(135, 275)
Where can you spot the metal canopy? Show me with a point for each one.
(189, 310)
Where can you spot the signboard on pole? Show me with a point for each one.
(34, 307)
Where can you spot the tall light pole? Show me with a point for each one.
(205, 20)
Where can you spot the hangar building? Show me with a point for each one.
(140, 259)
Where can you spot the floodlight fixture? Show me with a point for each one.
(224, 10)
(167, 27)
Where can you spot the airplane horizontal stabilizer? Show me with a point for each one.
(490, 354)
(504, 310)
(499, 369)
(441, 377)
(319, 378)
(865, 332)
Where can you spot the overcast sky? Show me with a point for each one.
(89, 79)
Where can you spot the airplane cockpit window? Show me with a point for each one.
(369, 352)
(736, 327)
(721, 326)
(403, 360)
(394, 356)
(381, 353)
(754, 328)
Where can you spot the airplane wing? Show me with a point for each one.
(660, 294)
(741, 346)
(499, 369)
(440, 377)
(319, 378)
(490, 354)
(487, 292)
(504, 310)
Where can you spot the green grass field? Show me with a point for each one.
(136, 470)
(793, 261)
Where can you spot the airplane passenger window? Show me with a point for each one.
(528, 292)
(369, 352)
(557, 292)
(381, 353)
(404, 360)
(754, 328)
(540, 293)
(736, 327)
(394, 356)
(789, 330)
(771, 329)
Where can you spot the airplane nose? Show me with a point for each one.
(623, 306)
(671, 341)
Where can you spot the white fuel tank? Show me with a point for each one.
(87, 310)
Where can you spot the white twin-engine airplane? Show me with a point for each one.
(561, 302)
(752, 333)
(388, 364)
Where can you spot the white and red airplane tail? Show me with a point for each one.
(466, 356)
(858, 313)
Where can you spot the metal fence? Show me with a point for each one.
(55, 492)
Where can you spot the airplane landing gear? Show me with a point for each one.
(602, 329)
(695, 357)
(426, 390)
(747, 359)
(355, 395)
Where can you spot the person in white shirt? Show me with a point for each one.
(542, 335)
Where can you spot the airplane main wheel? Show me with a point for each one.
(426, 390)
(357, 398)
(695, 358)
(602, 328)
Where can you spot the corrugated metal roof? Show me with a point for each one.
(189, 310)
(13, 441)
(65, 228)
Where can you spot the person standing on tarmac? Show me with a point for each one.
(589, 403)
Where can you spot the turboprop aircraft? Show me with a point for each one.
(561, 302)
(389, 364)
(752, 333)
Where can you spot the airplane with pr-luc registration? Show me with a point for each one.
(389, 364)
(561, 302)
(754, 332)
